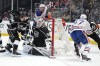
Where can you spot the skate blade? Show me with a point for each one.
(2, 51)
(14, 55)
(84, 60)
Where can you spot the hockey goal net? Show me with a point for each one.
(60, 37)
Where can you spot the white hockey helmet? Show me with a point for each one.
(41, 5)
(83, 16)
(40, 22)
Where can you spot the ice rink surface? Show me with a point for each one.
(29, 60)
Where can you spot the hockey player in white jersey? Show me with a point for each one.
(1, 47)
(78, 33)
(94, 36)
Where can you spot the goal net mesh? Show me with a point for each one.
(60, 38)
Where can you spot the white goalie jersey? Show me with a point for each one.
(82, 24)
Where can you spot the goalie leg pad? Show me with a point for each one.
(35, 51)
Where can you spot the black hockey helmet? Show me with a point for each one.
(23, 12)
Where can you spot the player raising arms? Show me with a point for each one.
(80, 28)
(41, 12)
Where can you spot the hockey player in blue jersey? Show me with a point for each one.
(94, 36)
(80, 28)
(41, 12)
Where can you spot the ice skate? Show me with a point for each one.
(84, 57)
(8, 48)
(14, 52)
(2, 49)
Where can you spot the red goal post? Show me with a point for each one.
(52, 21)
(52, 48)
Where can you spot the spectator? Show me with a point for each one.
(5, 16)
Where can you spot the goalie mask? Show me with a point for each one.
(40, 22)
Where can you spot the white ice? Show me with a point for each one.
(29, 60)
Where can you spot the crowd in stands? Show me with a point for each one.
(71, 9)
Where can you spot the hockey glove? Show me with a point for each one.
(48, 43)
